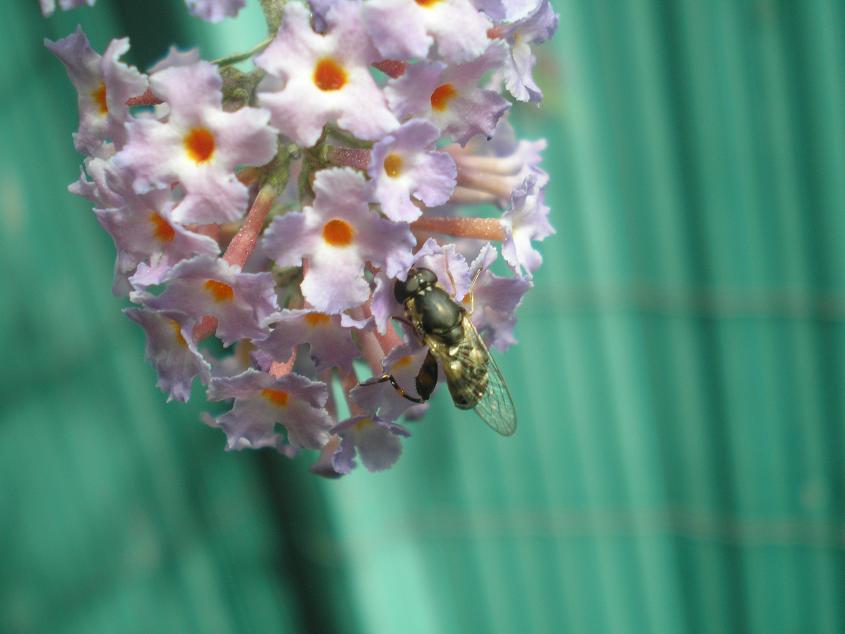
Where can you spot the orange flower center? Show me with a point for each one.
(427, 3)
(441, 96)
(177, 331)
(162, 231)
(99, 97)
(329, 75)
(338, 233)
(219, 291)
(317, 319)
(199, 143)
(276, 397)
(393, 165)
(363, 423)
(402, 362)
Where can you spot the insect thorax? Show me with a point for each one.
(433, 312)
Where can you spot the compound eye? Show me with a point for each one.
(402, 291)
(426, 277)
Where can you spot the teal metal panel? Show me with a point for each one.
(679, 375)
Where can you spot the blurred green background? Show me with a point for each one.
(679, 466)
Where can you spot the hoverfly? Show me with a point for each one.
(473, 378)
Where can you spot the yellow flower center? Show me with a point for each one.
(177, 331)
(393, 165)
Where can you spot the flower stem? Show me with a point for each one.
(228, 60)
(243, 244)
(147, 99)
(349, 157)
(273, 11)
(475, 228)
(391, 67)
(280, 368)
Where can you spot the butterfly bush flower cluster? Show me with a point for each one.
(262, 217)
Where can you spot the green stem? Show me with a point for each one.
(240, 57)
(273, 11)
(348, 139)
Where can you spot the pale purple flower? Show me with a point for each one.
(171, 350)
(339, 234)
(215, 10)
(382, 399)
(325, 463)
(536, 27)
(404, 166)
(317, 78)
(244, 304)
(375, 441)
(199, 145)
(495, 300)
(525, 220)
(176, 57)
(449, 96)
(48, 7)
(403, 30)
(95, 183)
(507, 10)
(331, 344)
(103, 85)
(390, 112)
(262, 401)
(143, 231)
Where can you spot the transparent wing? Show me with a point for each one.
(496, 406)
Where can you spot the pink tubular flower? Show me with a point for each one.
(318, 78)
(338, 234)
(405, 30)
(490, 170)
(198, 146)
(449, 96)
(104, 85)
(262, 400)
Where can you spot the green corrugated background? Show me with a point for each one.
(679, 377)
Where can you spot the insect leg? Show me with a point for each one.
(396, 386)
(410, 326)
(427, 377)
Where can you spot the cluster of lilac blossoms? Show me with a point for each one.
(273, 210)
